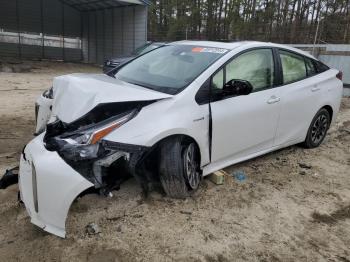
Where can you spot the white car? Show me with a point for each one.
(173, 115)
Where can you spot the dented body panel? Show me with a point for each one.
(77, 94)
(49, 196)
(43, 113)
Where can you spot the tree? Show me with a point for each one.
(284, 21)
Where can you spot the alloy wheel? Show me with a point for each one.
(319, 129)
(191, 166)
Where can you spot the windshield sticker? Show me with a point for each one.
(209, 50)
(197, 49)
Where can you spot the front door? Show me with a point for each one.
(244, 125)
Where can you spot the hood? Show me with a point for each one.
(77, 94)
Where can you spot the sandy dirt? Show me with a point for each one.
(280, 212)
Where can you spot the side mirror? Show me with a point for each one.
(237, 87)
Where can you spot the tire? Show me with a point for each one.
(173, 170)
(318, 129)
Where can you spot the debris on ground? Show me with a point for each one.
(9, 178)
(217, 177)
(305, 166)
(239, 175)
(92, 229)
(186, 212)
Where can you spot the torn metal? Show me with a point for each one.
(78, 143)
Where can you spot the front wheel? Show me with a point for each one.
(179, 167)
(318, 129)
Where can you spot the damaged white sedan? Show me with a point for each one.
(172, 115)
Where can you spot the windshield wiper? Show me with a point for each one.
(138, 84)
(111, 72)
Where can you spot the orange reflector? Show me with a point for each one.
(102, 133)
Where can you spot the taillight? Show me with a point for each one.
(340, 75)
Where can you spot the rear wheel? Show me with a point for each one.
(179, 167)
(318, 129)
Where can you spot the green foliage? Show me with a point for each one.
(285, 21)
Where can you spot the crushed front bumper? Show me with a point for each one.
(48, 186)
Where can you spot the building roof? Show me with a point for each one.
(92, 5)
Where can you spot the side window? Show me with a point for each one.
(255, 66)
(293, 67)
(218, 80)
(310, 67)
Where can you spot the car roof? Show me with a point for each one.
(233, 45)
(156, 43)
(230, 45)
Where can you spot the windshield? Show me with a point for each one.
(170, 68)
(140, 49)
(148, 48)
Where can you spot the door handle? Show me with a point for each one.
(315, 88)
(273, 99)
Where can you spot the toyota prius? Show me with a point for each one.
(172, 116)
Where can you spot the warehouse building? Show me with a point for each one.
(71, 30)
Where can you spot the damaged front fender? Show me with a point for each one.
(43, 112)
(48, 186)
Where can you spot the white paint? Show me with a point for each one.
(44, 112)
(301, 101)
(58, 185)
(77, 94)
(243, 127)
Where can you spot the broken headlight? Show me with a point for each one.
(83, 144)
(92, 135)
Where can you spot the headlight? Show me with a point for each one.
(48, 93)
(83, 144)
(92, 135)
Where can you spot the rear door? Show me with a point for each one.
(300, 97)
(246, 124)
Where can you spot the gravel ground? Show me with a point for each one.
(294, 204)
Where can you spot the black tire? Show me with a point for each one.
(172, 168)
(318, 129)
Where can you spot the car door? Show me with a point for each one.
(246, 124)
(300, 97)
